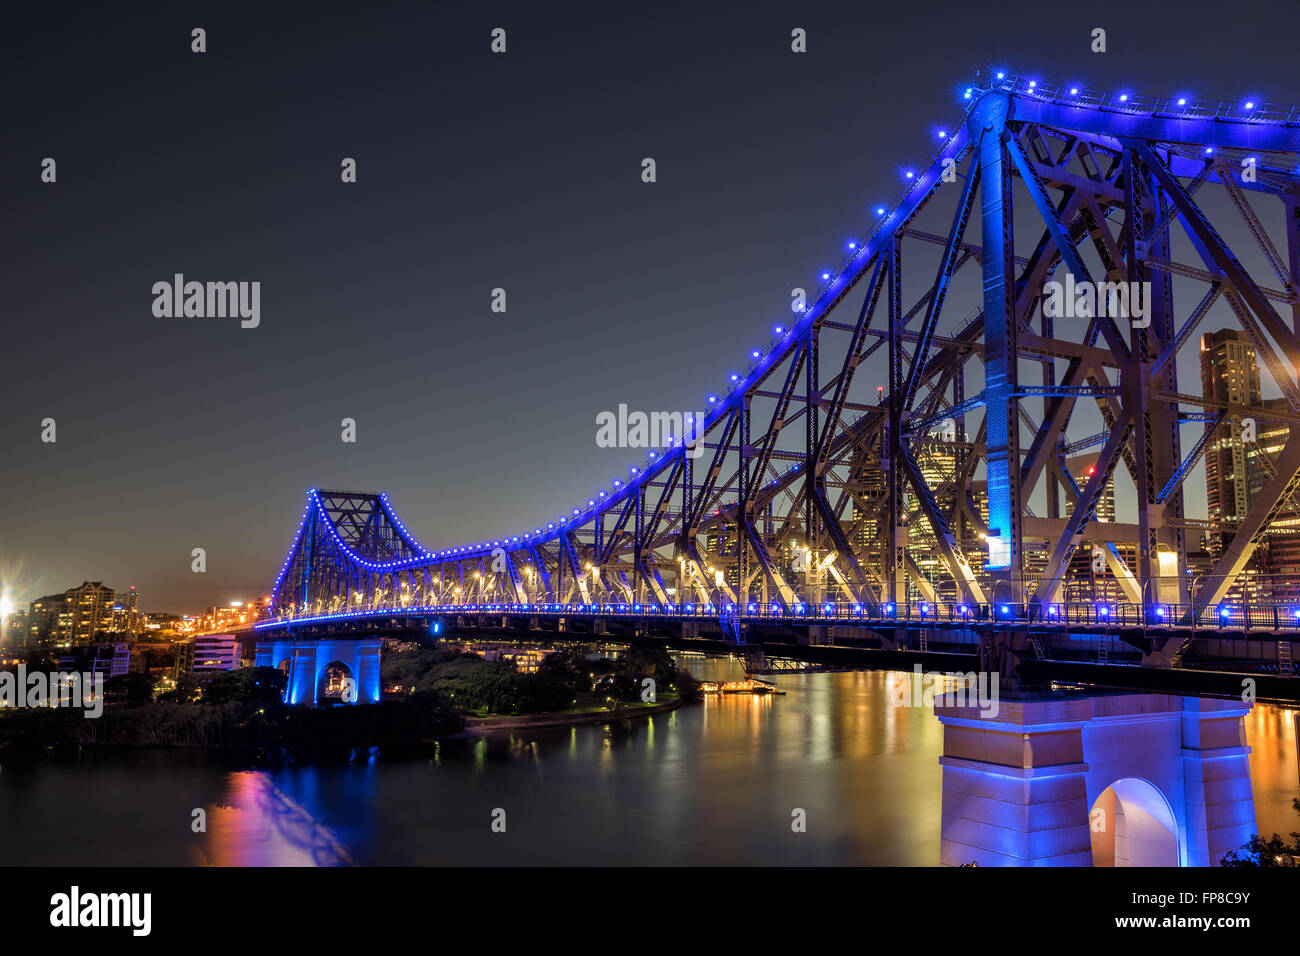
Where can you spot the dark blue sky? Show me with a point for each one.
(476, 171)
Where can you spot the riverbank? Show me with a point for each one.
(480, 725)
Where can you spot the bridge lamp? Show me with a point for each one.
(909, 174)
(778, 330)
(1123, 97)
(1074, 91)
(826, 275)
(1103, 610)
(1160, 611)
(889, 609)
(963, 609)
(1250, 106)
(1032, 84)
(1224, 611)
(756, 353)
(924, 607)
(1182, 101)
(880, 211)
(1006, 609)
(1002, 76)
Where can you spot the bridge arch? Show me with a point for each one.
(309, 662)
(335, 683)
(1133, 824)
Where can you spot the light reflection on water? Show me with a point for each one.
(714, 783)
(261, 826)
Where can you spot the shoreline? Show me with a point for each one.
(475, 726)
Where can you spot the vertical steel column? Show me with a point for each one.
(742, 515)
(987, 122)
(1157, 446)
(895, 589)
(1292, 215)
(638, 540)
(685, 546)
(811, 479)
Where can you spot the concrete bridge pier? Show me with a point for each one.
(1122, 780)
(306, 662)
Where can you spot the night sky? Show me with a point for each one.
(475, 171)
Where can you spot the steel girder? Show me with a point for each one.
(857, 500)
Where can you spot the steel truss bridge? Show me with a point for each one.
(941, 494)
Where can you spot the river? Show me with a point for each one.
(714, 783)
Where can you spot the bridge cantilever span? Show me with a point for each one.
(814, 486)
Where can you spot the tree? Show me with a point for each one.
(568, 665)
(133, 687)
(1267, 853)
(622, 687)
(257, 684)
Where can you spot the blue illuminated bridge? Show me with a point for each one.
(940, 460)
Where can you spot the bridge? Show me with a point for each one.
(939, 505)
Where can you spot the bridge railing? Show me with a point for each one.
(1125, 101)
(1091, 614)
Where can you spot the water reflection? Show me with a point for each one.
(1274, 774)
(259, 825)
(714, 783)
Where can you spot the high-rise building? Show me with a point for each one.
(91, 607)
(1084, 580)
(46, 618)
(1236, 470)
(1229, 373)
(76, 616)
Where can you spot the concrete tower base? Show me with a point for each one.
(1133, 779)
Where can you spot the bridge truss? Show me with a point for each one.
(866, 456)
